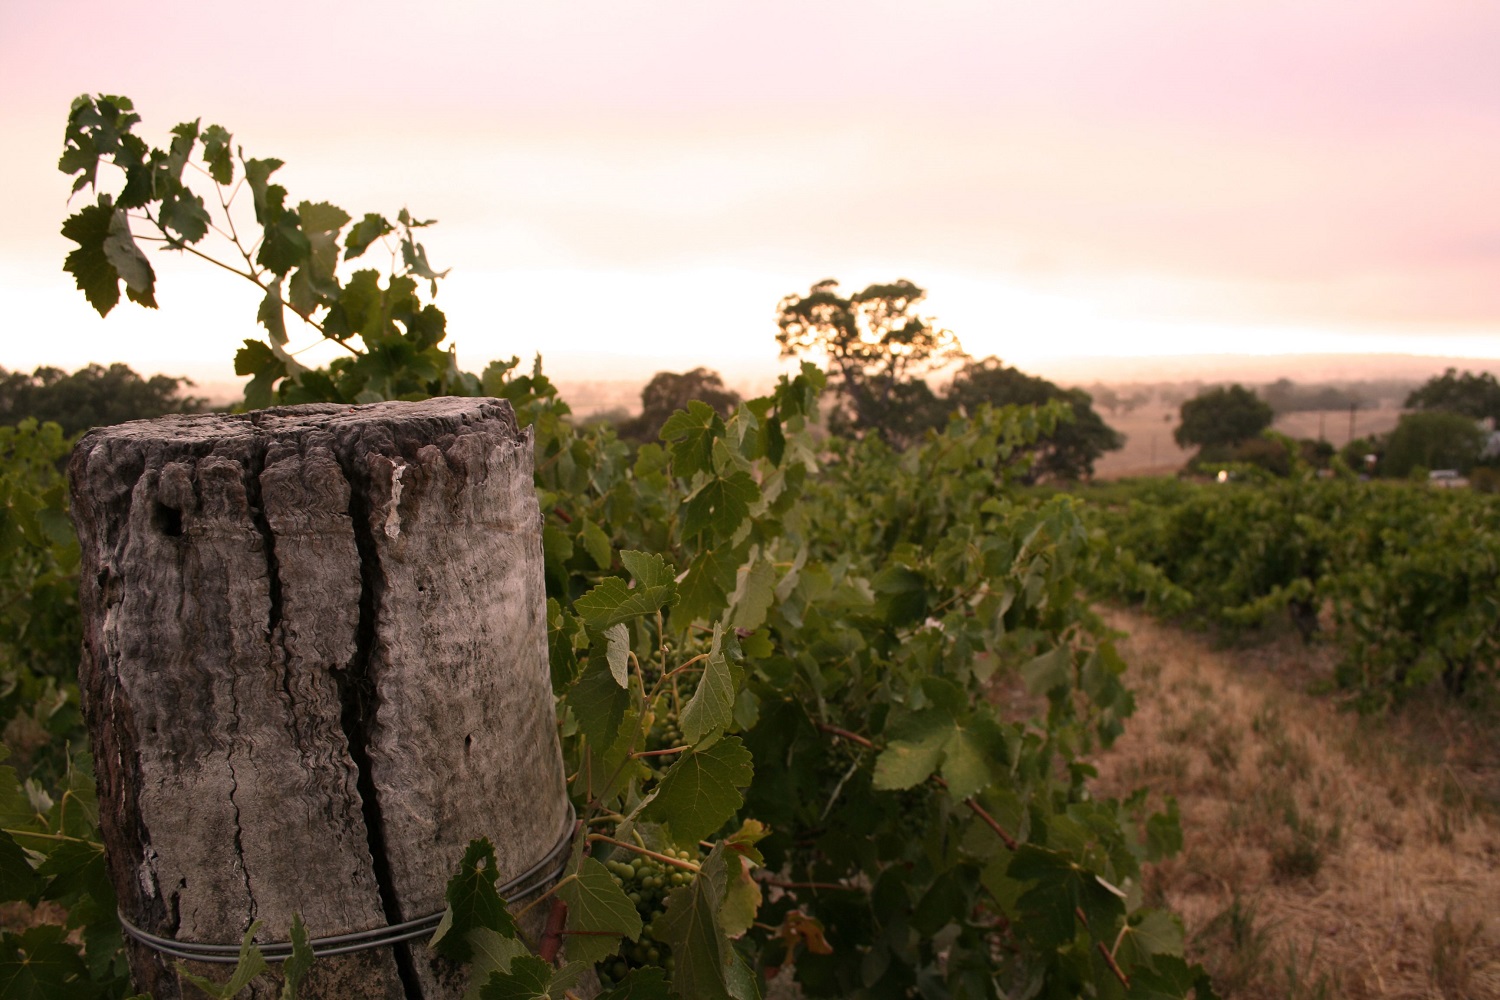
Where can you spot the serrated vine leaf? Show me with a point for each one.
(915, 752)
(613, 602)
(599, 913)
(707, 966)
(596, 544)
(972, 756)
(702, 790)
(722, 503)
(711, 708)
(755, 595)
(1061, 890)
(295, 968)
(598, 703)
(251, 964)
(271, 316)
(1147, 937)
(89, 265)
(704, 590)
(39, 964)
(1171, 979)
(472, 902)
(649, 569)
(690, 436)
(492, 952)
(740, 896)
(366, 231)
(18, 880)
(184, 213)
(266, 196)
(217, 156)
(527, 979)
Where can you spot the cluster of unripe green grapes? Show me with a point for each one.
(646, 882)
(665, 731)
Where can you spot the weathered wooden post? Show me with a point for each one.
(315, 668)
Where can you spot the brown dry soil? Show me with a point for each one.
(1325, 855)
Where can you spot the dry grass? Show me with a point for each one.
(1325, 855)
(1150, 451)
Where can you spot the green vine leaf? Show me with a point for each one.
(691, 434)
(704, 590)
(617, 653)
(296, 967)
(366, 231)
(89, 265)
(18, 880)
(251, 964)
(39, 964)
(527, 979)
(598, 703)
(701, 790)
(217, 156)
(707, 965)
(711, 708)
(612, 602)
(914, 751)
(599, 913)
(472, 903)
(721, 503)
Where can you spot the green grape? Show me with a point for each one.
(647, 882)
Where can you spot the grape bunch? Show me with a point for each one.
(665, 732)
(646, 882)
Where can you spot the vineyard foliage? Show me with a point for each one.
(775, 657)
(1406, 577)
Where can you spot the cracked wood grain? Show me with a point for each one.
(314, 668)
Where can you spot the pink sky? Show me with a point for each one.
(633, 186)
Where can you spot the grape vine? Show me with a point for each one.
(777, 660)
(1403, 577)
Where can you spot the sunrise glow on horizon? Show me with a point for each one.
(626, 192)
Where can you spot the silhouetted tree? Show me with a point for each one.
(1071, 450)
(668, 392)
(878, 352)
(1222, 418)
(1474, 396)
(94, 396)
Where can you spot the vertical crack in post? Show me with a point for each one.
(360, 700)
(257, 517)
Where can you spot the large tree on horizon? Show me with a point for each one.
(1070, 451)
(1476, 396)
(1223, 417)
(878, 351)
(668, 392)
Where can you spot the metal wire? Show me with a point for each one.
(530, 881)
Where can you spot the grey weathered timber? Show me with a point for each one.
(314, 669)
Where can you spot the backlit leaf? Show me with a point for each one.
(690, 435)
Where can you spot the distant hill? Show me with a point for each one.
(1257, 368)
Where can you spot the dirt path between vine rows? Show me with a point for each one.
(1324, 855)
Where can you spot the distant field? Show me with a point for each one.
(1150, 451)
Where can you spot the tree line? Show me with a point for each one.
(1450, 425)
(881, 356)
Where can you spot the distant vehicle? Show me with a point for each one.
(1447, 479)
